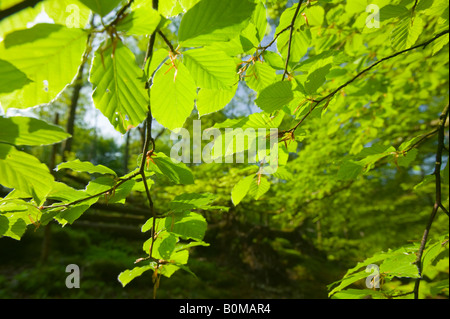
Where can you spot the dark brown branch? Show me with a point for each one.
(148, 135)
(121, 14)
(167, 42)
(438, 198)
(17, 8)
(291, 27)
(332, 93)
(423, 138)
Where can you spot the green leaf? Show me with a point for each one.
(142, 20)
(406, 33)
(211, 68)
(427, 180)
(358, 294)
(316, 79)
(315, 15)
(168, 8)
(439, 44)
(24, 172)
(275, 96)
(125, 277)
(64, 193)
(11, 78)
(16, 216)
(445, 174)
(16, 226)
(391, 11)
(187, 225)
(274, 60)
(4, 225)
(49, 55)
(299, 44)
(431, 252)
(88, 167)
(73, 212)
(118, 91)
(348, 280)
(257, 190)
(172, 95)
(259, 19)
(259, 76)
(214, 20)
(29, 131)
(400, 265)
(164, 246)
(103, 184)
(189, 201)
(71, 13)
(159, 56)
(301, 37)
(355, 6)
(408, 158)
(178, 173)
(255, 120)
(241, 189)
(349, 170)
(102, 7)
(17, 21)
(213, 100)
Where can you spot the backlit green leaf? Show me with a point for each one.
(214, 20)
(407, 32)
(128, 275)
(172, 95)
(210, 68)
(49, 55)
(29, 131)
(141, 21)
(118, 91)
(213, 100)
(241, 189)
(275, 96)
(11, 78)
(178, 173)
(88, 167)
(24, 172)
(102, 7)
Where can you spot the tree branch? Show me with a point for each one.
(291, 27)
(438, 199)
(148, 137)
(17, 8)
(167, 42)
(332, 93)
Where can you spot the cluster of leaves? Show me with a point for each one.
(322, 63)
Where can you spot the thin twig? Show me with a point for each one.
(423, 138)
(167, 42)
(438, 199)
(148, 136)
(17, 8)
(332, 93)
(291, 26)
(121, 14)
(78, 201)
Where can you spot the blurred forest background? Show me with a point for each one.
(301, 236)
